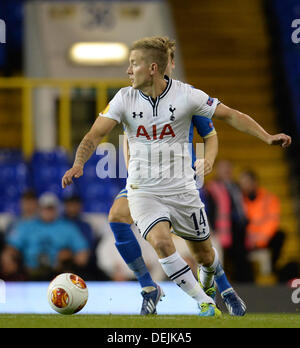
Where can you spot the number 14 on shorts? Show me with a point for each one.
(201, 224)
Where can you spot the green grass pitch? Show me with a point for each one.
(160, 321)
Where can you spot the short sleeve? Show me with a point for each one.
(114, 110)
(204, 126)
(201, 103)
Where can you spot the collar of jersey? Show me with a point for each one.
(166, 90)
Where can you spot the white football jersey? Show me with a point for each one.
(158, 135)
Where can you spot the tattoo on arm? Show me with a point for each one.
(84, 151)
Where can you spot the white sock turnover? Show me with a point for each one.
(179, 272)
(207, 274)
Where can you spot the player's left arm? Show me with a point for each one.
(211, 147)
(206, 130)
(246, 124)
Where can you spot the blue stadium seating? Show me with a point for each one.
(97, 194)
(44, 173)
(14, 180)
(47, 169)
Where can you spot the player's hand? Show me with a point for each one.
(203, 167)
(208, 166)
(280, 139)
(74, 172)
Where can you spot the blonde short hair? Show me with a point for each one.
(171, 45)
(158, 49)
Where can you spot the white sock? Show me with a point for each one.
(179, 272)
(207, 274)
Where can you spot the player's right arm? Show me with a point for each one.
(88, 145)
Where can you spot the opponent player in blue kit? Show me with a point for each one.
(126, 243)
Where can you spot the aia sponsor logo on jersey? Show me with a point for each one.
(166, 131)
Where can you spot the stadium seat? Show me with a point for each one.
(47, 170)
(97, 194)
(11, 156)
(14, 180)
(58, 155)
(44, 173)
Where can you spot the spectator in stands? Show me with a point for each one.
(226, 214)
(29, 205)
(47, 244)
(264, 238)
(29, 209)
(73, 213)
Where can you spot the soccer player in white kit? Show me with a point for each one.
(120, 219)
(156, 114)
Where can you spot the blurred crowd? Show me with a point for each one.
(52, 237)
(48, 239)
(245, 220)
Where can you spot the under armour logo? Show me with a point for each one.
(171, 109)
(198, 232)
(134, 115)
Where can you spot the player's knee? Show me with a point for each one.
(116, 216)
(164, 247)
(113, 215)
(206, 257)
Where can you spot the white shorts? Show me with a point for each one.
(185, 212)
